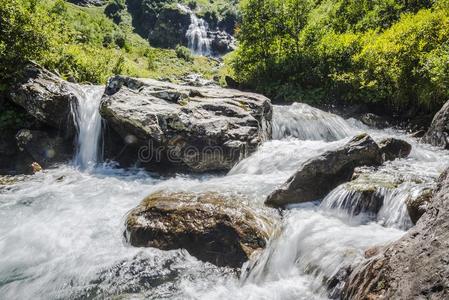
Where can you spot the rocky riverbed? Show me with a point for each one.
(185, 225)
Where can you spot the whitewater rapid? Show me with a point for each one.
(61, 231)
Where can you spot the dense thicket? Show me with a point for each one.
(82, 43)
(389, 52)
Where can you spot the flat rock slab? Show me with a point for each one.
(196, 128)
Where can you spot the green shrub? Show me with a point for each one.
(389, 53)
(184, 53)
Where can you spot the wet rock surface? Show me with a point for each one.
(195, 128)
(418, 203)
(46, 97)
(46, 150)
(392, 148)
(318, 176)
(438, 133)
(414, 267)
(210, 226)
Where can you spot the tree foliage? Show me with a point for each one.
(392, 53)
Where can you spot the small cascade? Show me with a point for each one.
(355, 206)
(198, 40)
(314, 246)
(304, 122)
(386, 206)
(88, 123)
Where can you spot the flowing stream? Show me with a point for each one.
(61, 231)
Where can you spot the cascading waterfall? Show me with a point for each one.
(197, 37)
(304, 122)
(61, 231)
(88, 122)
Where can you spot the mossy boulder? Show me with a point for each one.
(210, 226)
(392, 148)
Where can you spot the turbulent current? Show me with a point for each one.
(61, 231)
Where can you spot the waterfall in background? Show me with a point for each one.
(197, 38)
(88, 122)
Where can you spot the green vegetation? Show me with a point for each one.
(394, 54)
(83, 43)
(184, 53)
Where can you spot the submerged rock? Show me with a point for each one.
(46, 97)
(319, 175)
(438, 133)
(392, 148)
(414, 267)
(194, 128)
(210, 226)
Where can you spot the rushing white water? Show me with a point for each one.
(198, 40)
(304, 122)
(88, 122)
(61, 231)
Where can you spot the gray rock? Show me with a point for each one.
(198, 129)
(375, 121)
(46, 150)
(418, 203)
(318, 176)
(210, 226)
(414, 267)
(221, 42)
(46, 97)
(437, 134)
(392, 148)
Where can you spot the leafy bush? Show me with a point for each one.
(183, 53)
(389, 53)
(25, 34)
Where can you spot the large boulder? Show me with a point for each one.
(414, 267)
(392, 148)
(198, 129)
(44, 148)
(319, 175)
(46, 97)
(210, 226)
(438, 133)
